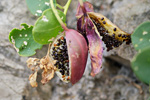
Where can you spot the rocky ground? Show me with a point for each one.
(115, 82)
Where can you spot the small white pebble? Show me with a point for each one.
(44, 19)
(144, 33)
(25, 42)
(141, 39)
(46, 3)
(39, 11)
(39, 4)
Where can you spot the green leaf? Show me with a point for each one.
(141, 65)
(141, 36)
(23, 41)
(36, 7)
(47, 26)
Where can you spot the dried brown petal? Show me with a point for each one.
(43, 61)
(48, 68)
(32, 62)
(46, 64)
(32, 79)
(47, 76)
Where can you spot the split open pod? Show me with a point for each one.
(97, 28)
(70, 52)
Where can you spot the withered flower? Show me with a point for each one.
(97, 28)
(46, 64)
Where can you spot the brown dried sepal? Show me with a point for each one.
(32, 79)
(33, 63)
(46, 64)
(48, 69)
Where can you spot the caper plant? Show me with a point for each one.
(68, 48)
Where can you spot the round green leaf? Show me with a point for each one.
(141, 65)
(141, 36)
(47, 26)
(36, 7)
(23, 41)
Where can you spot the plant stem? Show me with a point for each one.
(57, 16)
(66, 6)
(82, 6)
(59, 6)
